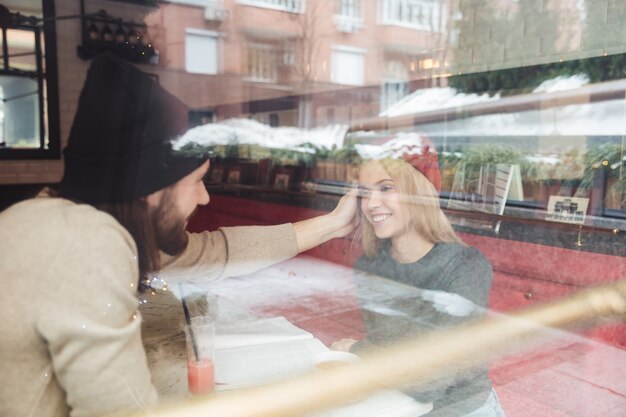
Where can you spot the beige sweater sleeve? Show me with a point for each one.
(90, 320)
(230, 251)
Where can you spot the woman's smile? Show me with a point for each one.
(379, 218)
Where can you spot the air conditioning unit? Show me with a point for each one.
(215, 14)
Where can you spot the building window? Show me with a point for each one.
(392, 92)
(330, 115)
(200, 117)
(19, 112)
(261, 63)
(273, 119)
(348, 65)
(349, 8)
(201, 51)
(28, 94)
(417, 14)
(294, 6)
(349, 16)
(395, 85)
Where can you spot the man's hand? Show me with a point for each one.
(345, 213)
(337, 223)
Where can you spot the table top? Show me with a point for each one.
(328, 300)
(163, 321)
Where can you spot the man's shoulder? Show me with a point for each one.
(36, 205)
(50, 214)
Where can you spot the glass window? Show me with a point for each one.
(261, 63)
(392, 92)
(22, 49)
(348, 66)
(396, 84)
(20, 112)
(350, 8)
(29, 128)
(487, 143)
(419, 14)
(201, 52)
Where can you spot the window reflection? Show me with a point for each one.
(20, 108)
(21, 49)
(521, 104)
(348, 65)
(25, 127)
(419, 14)
(19, 111)
(483, 93)
(201, 51)
(350, 9)
(261, 64)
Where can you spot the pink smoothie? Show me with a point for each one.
(201, 376)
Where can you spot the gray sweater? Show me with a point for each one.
(450, 268)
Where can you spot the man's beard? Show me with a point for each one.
(169, 227)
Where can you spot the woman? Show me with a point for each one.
(407, 238)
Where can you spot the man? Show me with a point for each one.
(74, 259)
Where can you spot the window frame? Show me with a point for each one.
(335, 67)
(350, 9)
(48, 94)
(205, 34)
(261, 52)
(400, 13)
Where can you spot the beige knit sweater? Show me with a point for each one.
(70, 337)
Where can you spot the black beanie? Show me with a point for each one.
(119, 146)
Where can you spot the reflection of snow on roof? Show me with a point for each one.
(403, 143)
(552, 160)
(251, 132)
(562, 83)
(429, 99)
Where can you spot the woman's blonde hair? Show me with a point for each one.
(421, 206)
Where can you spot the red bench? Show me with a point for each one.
(528, 273)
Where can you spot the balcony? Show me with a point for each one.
(292, 6)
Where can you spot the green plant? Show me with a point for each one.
(602, 156)
(347, 154)
(478, 156)
(526, 79)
